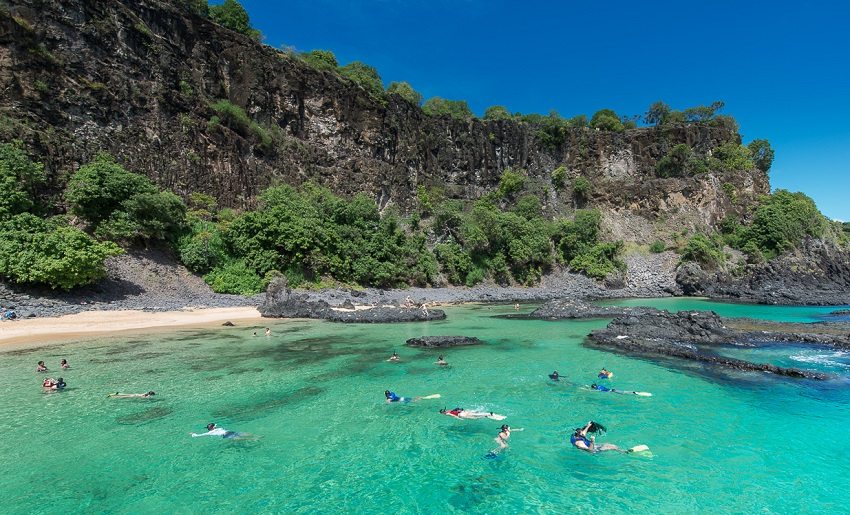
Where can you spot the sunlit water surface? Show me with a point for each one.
(313, 393)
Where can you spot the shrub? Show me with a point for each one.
(599, 261)
(731, 156)
(405, 91)
(657, 247)
(456, 109)
(99, 188)
(320, 59)
(510, 183)
(455, 261)
(364, 76)
(497, 113)
(19, 178)
(607, 120)
(235, 277)
(528, 207)
(705, 251)
(199, 7)
(235, 118)
(675, 163)
(703, 113)
(657, 113)
(559, 177)
(782, 221)
(232, 15)
(577, 122)
(582, 188)
(761, 154)
(203, 249)
(50, 252)
(573, 237)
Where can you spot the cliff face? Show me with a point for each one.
(137, 78)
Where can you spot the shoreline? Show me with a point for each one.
(36, 332)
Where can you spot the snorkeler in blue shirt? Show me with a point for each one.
(601, 388)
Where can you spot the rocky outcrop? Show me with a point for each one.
(564, 309)
(138, 79)
(816, 274)
(443, 341)
(695, 336)
(281, 302)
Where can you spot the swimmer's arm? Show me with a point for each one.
(196, 435)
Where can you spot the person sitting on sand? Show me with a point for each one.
(470, 414)
(605, 374)
(441, 361)
(118, 395)
(41, 367)
(554, 376)
(63, 364)
(214, 430)
(394, 357)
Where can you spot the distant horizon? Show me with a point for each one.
(777, 70)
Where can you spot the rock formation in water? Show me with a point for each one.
(443, 341)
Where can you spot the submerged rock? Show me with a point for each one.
(561, 309)
(443, 341)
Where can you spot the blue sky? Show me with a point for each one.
(782, 68)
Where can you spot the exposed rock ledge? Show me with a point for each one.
(443, 341)
(561, 309)
(280, 302)
(695, 335)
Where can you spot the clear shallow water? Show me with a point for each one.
(738, 310)
(314, 392)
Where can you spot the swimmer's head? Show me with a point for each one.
(505, 427)
(593, 386)
(443, 410)
(211, 426)
(151, 393)
(41, 363)
(63, 361)
(386, 393)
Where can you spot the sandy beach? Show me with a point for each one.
(90, 323)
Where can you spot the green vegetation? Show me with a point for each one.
(497, 113)
(607, 120)
(122, 205)
(657, 247)
(232, 15)
(731, 156)
(675, 163)
(705, 250)
(320, 59)
(510, 183)
(559, 177)
(34, 250)
(761, 154)
(235, 118)
(581, 188)
(364, 76)
(457, 109)
(405, 91)
(199, 7)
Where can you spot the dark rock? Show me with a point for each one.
(347, 304)
(384, 315)
(228, 324)
(443, 341)
(561, 309)
(693, 336)
(840, 312)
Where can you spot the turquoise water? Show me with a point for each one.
(313, 392)
(729, 309)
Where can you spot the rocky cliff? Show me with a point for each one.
(138, 78)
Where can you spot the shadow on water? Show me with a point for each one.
(243, 412)
(470, 494)
(144, 417)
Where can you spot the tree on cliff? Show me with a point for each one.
(364, 76)
(457, 109)
(232, 15)
(321, 59)
(657, 113)
(762, 154)
(405, 91)
(497, 113)
(607, 120)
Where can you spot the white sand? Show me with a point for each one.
(50, 330)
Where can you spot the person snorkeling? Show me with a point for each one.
(580, 440)
(394, 357)
(392, 397)
(605, 374)
(503, 436)
(214, 430)
(602, 388)
(471, 414)
(441, 361)
(554, 376)
(118, 395)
